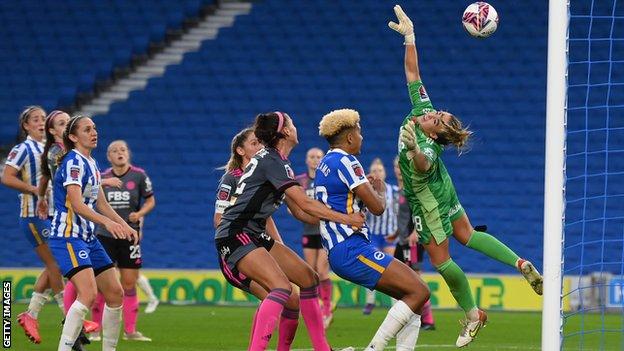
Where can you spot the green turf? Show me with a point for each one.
(189, 328)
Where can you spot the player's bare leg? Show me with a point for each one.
(108, 283)
(325, 287)
(492, 247)
(403, 319)
(307, 279)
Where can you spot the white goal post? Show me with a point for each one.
(554, 181)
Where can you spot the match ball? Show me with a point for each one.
(480, 19)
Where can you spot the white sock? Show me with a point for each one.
(407, 337)
(398, 316)
(473, 314)
(144, 285)
(370, 296)
(37, 300)
(73, 324)
(59, 301)
(111, 320)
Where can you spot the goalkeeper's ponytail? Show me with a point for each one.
(454, 134)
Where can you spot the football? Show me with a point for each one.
(480, 19)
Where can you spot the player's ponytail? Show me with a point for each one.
(72, 125)
(236, 160)
(268, 127)
(454, 134)
(49, 124)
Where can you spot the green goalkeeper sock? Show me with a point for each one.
(457, 282)
(492, 247)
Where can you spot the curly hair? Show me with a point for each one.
(337, 121)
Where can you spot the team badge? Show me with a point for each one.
(289, 172)
(12, 155)
(83, 254)
(379, 255)
(357, 169)
(224, 192)
(74, 173)
(423, 94)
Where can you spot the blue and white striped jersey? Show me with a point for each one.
(84, 172)
(26, 158)
(386, 224)
(337, 176)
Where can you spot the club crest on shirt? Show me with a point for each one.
(357, 169)
(74, 173)
(289, 172)
(423, 94)
(12, 155)
(224, 192)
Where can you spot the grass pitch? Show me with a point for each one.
(190, 328)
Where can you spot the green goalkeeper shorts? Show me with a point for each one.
(437, 222)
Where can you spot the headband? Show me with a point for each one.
(51, 116)
(72, 122)
(280, 123)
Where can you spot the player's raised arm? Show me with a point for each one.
(406, 28)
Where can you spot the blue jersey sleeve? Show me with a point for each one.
(351, 172)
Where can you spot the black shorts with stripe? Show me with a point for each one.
(122, 252)
(312, 242)
(233, 248)
(402, 253)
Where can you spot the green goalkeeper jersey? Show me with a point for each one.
(433, 190)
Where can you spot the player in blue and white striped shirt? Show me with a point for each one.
(23, 173)
(383, 227)
(342, 186)
(81, 257)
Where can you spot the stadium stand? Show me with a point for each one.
(277, 58)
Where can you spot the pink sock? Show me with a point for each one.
(427, 315)
(266, 318)
(287, 329)
(69, 295)
(97, 310)
(130, 310)
(325, 290)
(313, 318)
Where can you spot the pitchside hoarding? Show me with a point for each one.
(492, 292)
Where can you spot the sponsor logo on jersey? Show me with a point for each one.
(148, 184)
(423, 94)
(289, 172)
(74, 173)
(118, 196)
(83, 254)
(45, 233)
(379, 255)
(224, 192)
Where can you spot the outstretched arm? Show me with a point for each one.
(406, 28)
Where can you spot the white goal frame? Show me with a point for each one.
(554, 177)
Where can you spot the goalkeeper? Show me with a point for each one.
(429, 189)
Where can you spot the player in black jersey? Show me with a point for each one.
(243, 244)
(132, 199)
(244, 146)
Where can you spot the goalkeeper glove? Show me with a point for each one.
(408, 138)
(405, 26)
